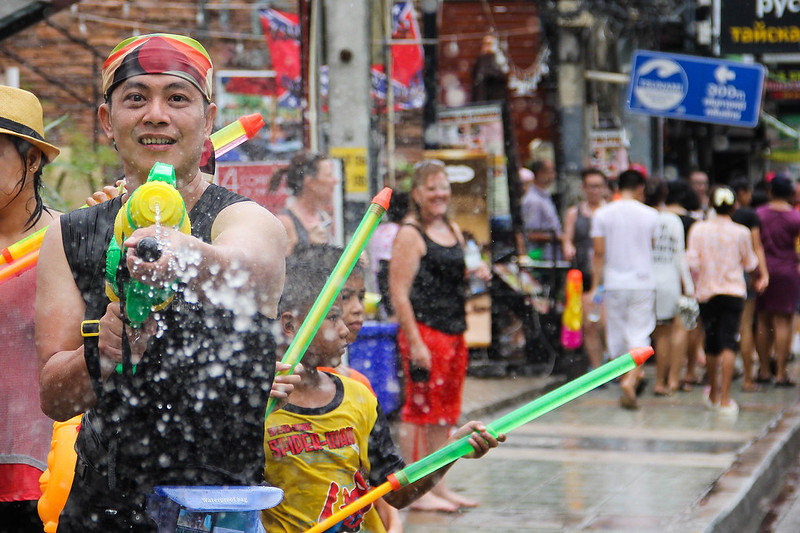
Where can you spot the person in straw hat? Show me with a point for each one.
(181, 399)
(26, 431)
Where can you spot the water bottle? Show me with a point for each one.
(597, 301)
(472, 260)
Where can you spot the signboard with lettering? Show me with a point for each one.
(479, 127)
(608, 151)
(355, 170)
(695, 88)
(252, 180)
(760, 26)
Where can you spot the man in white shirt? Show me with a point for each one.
(623, 232)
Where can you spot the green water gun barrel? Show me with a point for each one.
(526, 413)
(461, 447)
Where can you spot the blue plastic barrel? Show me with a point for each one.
(374, 354)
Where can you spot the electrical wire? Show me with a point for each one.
(136, 25)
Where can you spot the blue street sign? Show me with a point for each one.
(695, 88)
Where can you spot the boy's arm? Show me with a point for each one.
(480, 439)
(390, 516)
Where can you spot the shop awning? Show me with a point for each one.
(782, 156)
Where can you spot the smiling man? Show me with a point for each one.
(187, 406)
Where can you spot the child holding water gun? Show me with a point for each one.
(353, 314)
(331, 442)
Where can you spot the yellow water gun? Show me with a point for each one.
(156, 202)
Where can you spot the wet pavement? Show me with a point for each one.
(672, 465)
(783, 515)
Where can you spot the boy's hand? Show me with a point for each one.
(283, 385)
(106, 194)
(481, 440)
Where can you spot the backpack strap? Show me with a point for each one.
(90, 331)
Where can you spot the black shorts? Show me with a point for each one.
(92, 507)
(587, 280)
(721, 318)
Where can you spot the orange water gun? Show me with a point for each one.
(20, 256)
(56, 481)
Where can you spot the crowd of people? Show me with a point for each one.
(704, 273)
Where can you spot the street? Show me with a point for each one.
(591, 466)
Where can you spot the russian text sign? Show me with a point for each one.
(760, 26)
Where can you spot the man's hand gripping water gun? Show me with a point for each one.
(156, 202)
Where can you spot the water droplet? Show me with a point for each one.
(215, 370)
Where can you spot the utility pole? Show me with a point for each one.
(570, 144)
(347, 38)
(430, 32)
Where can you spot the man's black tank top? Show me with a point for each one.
(438, 293)
(193, 413)
(583, 242)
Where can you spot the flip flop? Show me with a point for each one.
(754, 387)
(759, 379)
(785, 383)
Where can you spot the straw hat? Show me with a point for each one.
(21, 116)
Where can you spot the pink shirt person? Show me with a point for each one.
(719, 251)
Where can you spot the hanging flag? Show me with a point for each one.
(407, 61)
(282, 31)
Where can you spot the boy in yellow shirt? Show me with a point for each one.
(331, 443)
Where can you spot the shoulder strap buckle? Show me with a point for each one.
(90, 328)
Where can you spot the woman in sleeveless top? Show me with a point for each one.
(311, 181)
(427, 287)
(26, 430)
(780, 229)
(577, 224)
